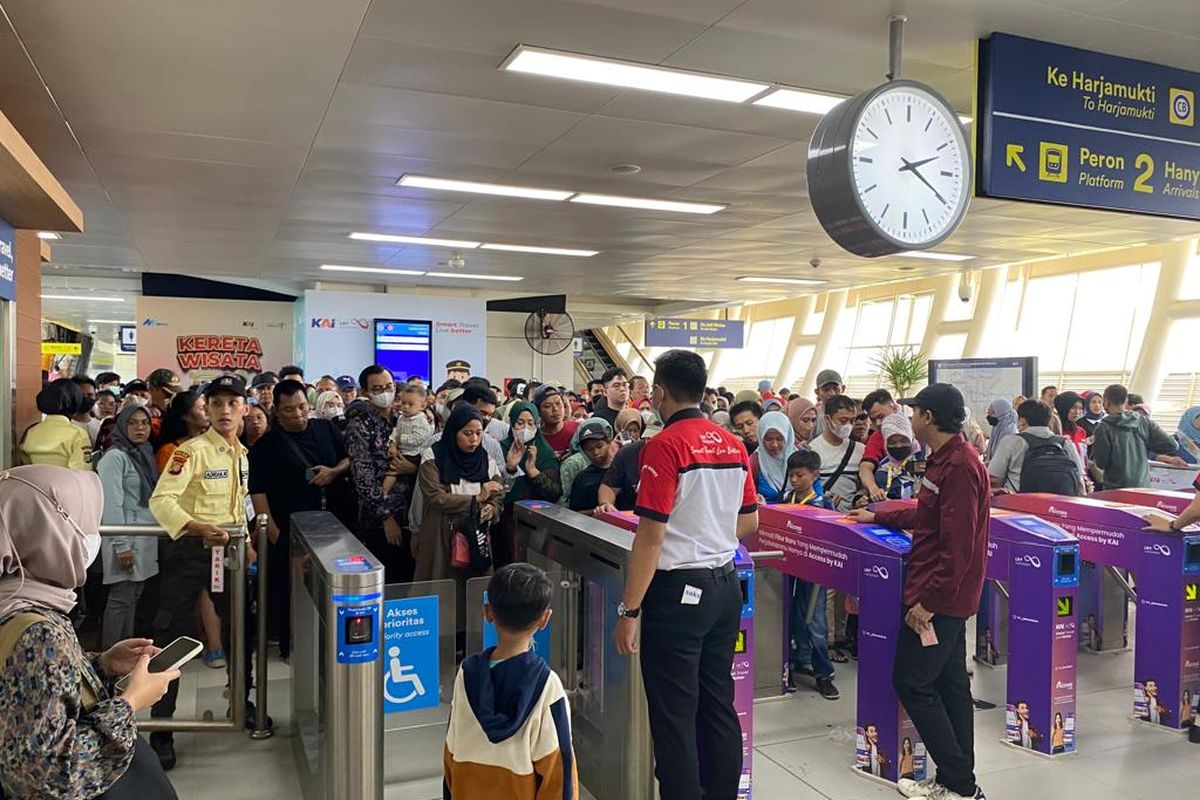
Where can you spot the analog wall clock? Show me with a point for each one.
(890, 170)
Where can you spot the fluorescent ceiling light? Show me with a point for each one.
(548, 251)
(113, 321)
(83, 297)
(445, 184)
(384, 270)
(932, 256)
(642, 202)
(629, 75)
(792, 281)
(800, 100)
(48, 235)
(470, 277)
(384, 237)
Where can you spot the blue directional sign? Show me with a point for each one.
(1063, 125)
(8, 282)
(410, 654)
(705, 333)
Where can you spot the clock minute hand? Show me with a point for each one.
(912, 167)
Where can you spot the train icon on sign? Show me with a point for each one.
(1052, 162)
(1182, 107)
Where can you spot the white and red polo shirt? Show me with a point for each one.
(695, 477)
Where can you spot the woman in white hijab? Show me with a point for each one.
(63, 731)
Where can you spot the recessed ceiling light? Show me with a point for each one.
(49, 236)
(800, 100)
(932, 256)
(384, 270)
(113, 321)
(646, 203)
(88, 297)
(625, 169)
(548, 251)
(448, 185)
(629, 75)
(471, 277)
(792, 281)
(386, 237)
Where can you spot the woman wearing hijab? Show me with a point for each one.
(56, 440)
(63, 731)
(777, 441)
(629, 425)
(803, 415)
(1003, 419)
(721, 417)
(1093, 411)
(530, 458)
(1188, 436)
(128, 474)
(455, 472)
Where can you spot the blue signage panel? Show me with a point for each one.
(1070, 126)
(8, 275)
(410, 654)
(357, 632)
(707, 333)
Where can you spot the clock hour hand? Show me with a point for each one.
(913, 168)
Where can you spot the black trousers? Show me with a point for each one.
(279, 593)
(686, 655)
(933, 686)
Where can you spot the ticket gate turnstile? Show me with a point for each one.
(1167, 568)
(867, 562)
(1172, 502)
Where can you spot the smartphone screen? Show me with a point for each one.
(175, 654)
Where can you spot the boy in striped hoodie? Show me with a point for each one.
(510, 725)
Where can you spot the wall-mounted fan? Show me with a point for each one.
(548, 332)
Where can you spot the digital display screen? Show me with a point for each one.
(1066, 564)
(745, 584)
(1193, 553)
(359, 630)
(405, 348)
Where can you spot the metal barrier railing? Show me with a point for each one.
(235, 552)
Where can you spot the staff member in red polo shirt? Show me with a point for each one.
(941, 592)
(695, 501)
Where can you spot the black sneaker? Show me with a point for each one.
(164, 748)
(827, 690)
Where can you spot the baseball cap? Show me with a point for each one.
(227, 384)
(165, 379)
(345, 382)
(454, 395)
(594, 429)
(136, 386)
(544, 393)
(764, 385)
(943, 400)
(828, 376)
(263, 379)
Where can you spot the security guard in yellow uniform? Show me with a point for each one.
(56, 440)
(203, 487)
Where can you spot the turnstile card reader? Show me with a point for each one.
(743, 654)
(1167, 569)
(866, 561)
(1172, 502)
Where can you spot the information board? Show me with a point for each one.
(707, 333)
(405, 347)
(8, 275)
(128, 338)
(984, 380)
(1064, 125)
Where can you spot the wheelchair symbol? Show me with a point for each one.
(397, 674)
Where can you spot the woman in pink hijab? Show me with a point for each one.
(803, 416)
(63, 731)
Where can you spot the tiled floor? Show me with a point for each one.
(803, 748)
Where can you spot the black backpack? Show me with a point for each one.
(1048, 467)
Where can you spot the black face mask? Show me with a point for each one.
(899, 453)
(992, 420)
(87, 405)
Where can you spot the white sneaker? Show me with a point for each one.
(942, 793)
(910, 788)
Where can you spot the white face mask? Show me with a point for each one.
(526, 434)
(382, 399)
(331, 412)
(842, 431)
(91, 547)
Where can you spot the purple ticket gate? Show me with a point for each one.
(1166, 500)
(1167, 569)
(743, 654)
(867, 562)
(1033, 576)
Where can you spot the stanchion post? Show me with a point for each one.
(261, 729)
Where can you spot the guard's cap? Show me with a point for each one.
(226, 384)
(458, 365)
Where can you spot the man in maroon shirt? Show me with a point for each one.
(942, 585)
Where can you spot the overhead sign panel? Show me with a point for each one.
(704, 333)
(1064, 125)
(8, 275)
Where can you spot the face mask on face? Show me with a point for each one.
(899, 453)
(440, 409)
(647, 417)
(842, 431)
(331, 412)
(992, 420)
(382, 399)
(526, 435)
(88, 404)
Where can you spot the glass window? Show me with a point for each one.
(766, 343)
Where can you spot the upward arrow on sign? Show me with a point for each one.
(1012, 155)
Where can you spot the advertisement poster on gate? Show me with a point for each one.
(201, 339)
(411, 679)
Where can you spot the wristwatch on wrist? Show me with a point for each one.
(628, 613)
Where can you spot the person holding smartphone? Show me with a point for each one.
(64, 730)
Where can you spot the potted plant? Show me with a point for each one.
(902, 368)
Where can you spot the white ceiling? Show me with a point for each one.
(244, 140)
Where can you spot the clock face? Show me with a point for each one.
(910, 165)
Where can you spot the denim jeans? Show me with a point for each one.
(810, 646)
